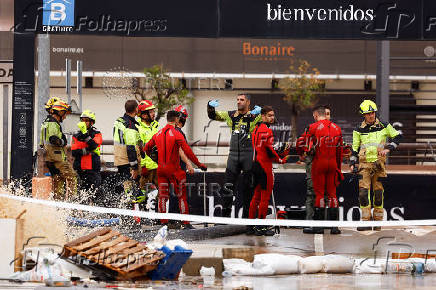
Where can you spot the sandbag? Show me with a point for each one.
(244, 268)
(337, 264)
(311, 265)
(281, 264)
(367, 266)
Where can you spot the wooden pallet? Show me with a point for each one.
(127, 258)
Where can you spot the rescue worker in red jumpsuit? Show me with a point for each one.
(327, 144)
(185, 165)
(264, 156)
(169, 174)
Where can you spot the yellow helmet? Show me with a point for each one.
(61, 106)
(88, 114)
(367, 106)
(50, 103)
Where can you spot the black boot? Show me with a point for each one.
(268, 231)
(263, 231)
(250, 231)
(187, 227)
(258, 230)
(333, 215)
(318, 216)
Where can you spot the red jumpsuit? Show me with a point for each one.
(264, 156)
(326, 139)
(169, 173)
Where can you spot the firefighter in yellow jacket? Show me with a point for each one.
(126, 152)
(370, 148)
(54, 142)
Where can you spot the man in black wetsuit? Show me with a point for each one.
(242, 123)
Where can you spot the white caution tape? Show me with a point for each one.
(221, 220)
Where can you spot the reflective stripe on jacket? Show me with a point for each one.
(241, 127)
(126, 137)
(368, 140)
(146, 132)
(53, 140)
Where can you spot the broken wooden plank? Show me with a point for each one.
(120, 247)
(86, 238)
(149, 261)
(97, 240)
(135, 256)
(105, 245)
(115, 252)
(138, 248)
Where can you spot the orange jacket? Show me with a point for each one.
(82, 149)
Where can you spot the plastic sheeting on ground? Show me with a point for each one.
(49, 267)
(160, 240)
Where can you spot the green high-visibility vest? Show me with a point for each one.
(124, 135)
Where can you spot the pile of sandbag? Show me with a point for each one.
(277, 264)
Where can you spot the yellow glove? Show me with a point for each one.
(82, 127)
(97, 151)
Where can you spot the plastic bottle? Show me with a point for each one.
(412, 268)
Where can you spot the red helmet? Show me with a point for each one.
(182, 110)
(145, 105)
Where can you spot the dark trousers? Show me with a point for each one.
(90, 180)
(236, 164)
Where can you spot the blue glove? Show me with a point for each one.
(256, 110)
(214, 103)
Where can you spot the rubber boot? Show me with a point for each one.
(250, 231)
(187, 226)
(333, 214)
(263, 231)
(318, 216)
(366, 216)
(378, 216)
(258, 231)
(268, 231)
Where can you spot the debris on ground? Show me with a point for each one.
(113, 256)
